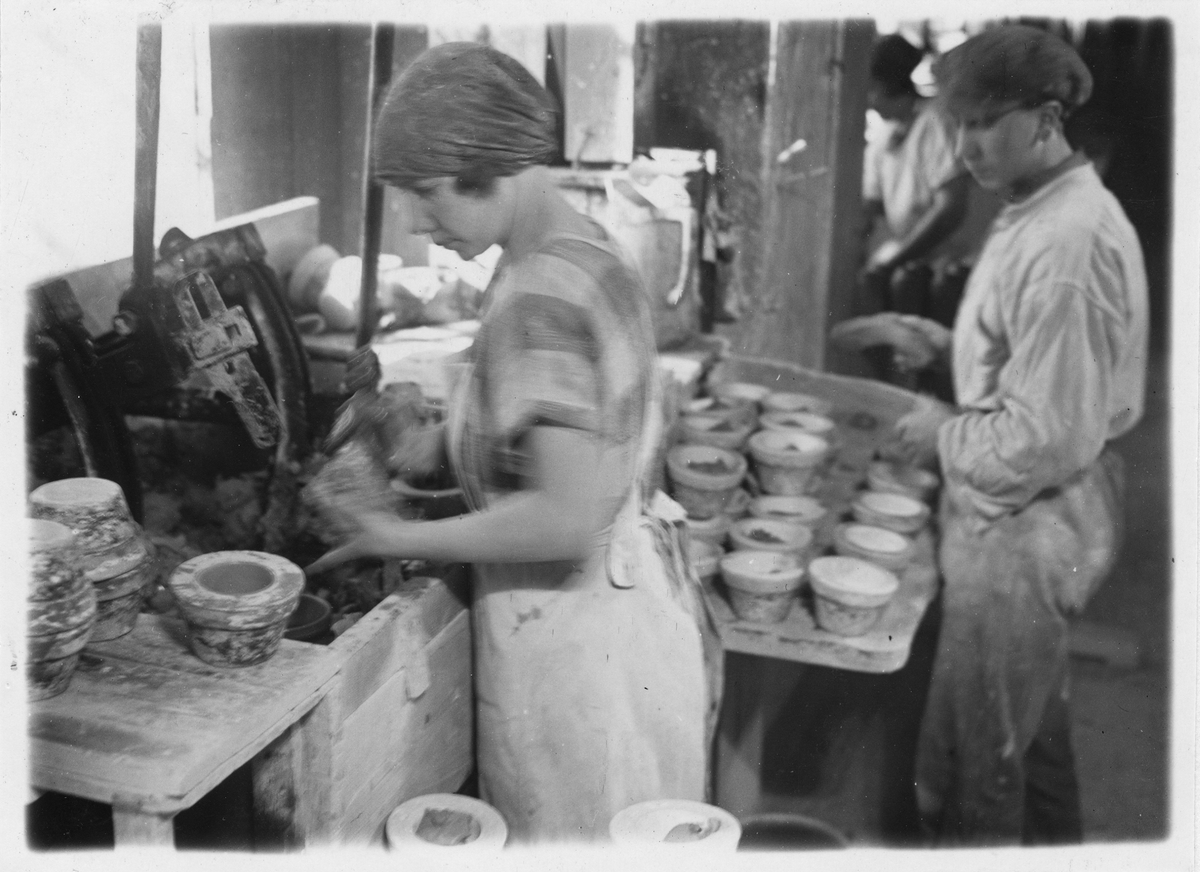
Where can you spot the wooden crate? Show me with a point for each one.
(397, 722)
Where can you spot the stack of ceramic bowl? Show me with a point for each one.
(771, 534)
(113, 553)
(704, 479)
(880, 546)
(850, 595)
(675, 824)
(441, 821)
(762, 584)
(785, 461)
(61, 609)
(892, 511)
(236, 604)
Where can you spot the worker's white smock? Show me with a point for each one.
(1049, 359)
(904, 169)
(1050, 346)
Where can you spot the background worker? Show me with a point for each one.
(915, 187)
(1048, 357)
(591, 634)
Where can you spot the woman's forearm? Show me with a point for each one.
(558, 517)
(526, 527)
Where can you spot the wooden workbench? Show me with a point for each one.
(336, 737)
(149, 728)
(865, 412)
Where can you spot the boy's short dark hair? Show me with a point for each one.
(1013, 65)
(893, 60)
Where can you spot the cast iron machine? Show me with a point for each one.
(202, 333)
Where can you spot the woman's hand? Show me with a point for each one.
(420, 451)
(379, 535)
(918, 430)
(915, 345)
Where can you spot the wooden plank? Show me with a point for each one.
(252, 120)
(290, 111)
(847, 248)
(101, 761)
(145, 719)
(809, 99)
(288, 229)
(376, 647)
(395, 747)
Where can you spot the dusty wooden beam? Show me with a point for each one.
(811, 189)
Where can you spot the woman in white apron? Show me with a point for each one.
(597, 673)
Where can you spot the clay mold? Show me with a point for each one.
(762, 584)
(881, 546)
(766, 534)
(786, 461)
(850, 594)
(704, 479)
(236, 604)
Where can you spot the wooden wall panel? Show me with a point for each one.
(598, 89)
(810, 200)
(252, 117)
(290, 119)
(702, 85)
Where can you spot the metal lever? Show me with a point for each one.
(213, 346)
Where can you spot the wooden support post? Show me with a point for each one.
(138, 828)
(811, 190)
(292, 780)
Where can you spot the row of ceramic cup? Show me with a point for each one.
(787, 435)
(770, 558)
(771, 550)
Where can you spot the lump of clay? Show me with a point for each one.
(353, 482)
(444, 826)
